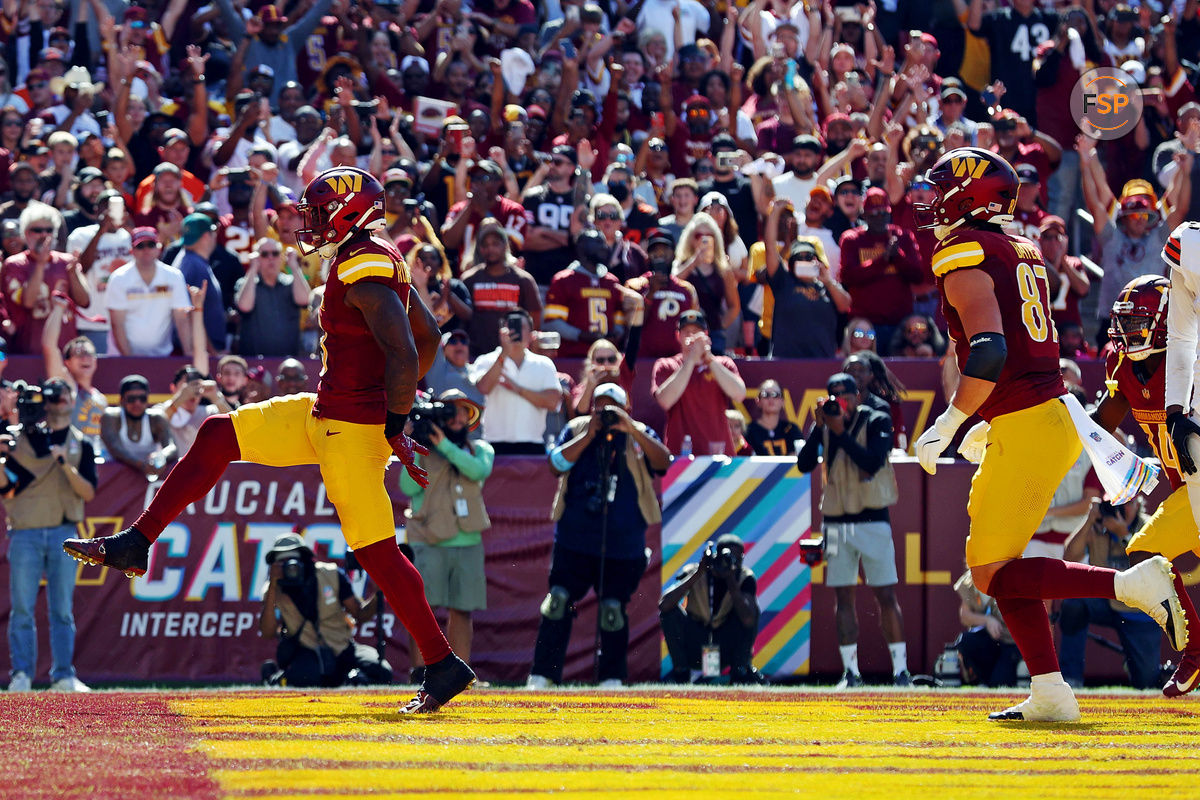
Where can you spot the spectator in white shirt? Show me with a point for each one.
(148, 301)
(804, 160)
(520, 387)
(656, 16)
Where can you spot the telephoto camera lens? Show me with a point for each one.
(293, 572)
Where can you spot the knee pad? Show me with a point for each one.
(612, 615)
(556, 603)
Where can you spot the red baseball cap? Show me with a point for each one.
(876, 199)
(144, 234)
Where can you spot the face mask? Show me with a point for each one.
(806, 270)
(619, 191)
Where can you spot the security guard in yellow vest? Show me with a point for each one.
(312, 607)
(858, 485)
(49, 473)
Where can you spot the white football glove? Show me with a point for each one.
(937, 436)
(974, 443)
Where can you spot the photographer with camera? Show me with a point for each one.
(311, 606)
(446, 518)
(859, 485)
(715, 628)
(49, 473)
(1101, 540)
(520, 386)
(606, 463)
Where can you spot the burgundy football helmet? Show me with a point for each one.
(973, 186)
(338, 204)
(1139, 317)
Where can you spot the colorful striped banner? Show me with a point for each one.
(768, 503)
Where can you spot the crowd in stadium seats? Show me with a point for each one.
(757, 162)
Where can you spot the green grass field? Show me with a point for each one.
(635, 743)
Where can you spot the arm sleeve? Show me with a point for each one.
(304, 26)
(87, 464)
(234, 24)
(474, 467)
(851, 269)
(17, 476)
(806, 459)
(871, 458)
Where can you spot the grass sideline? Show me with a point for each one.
(637, 742)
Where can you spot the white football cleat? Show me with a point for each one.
(1150, 587)
(1046, 703)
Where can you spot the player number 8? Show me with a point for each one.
(1033, 309)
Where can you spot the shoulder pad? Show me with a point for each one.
(956, 253)
(1182, 250)
(366, 259)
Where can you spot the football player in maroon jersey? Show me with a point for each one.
(1136, 381)
(379, 339)
(996, 300)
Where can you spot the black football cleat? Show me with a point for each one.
(443, 681)
(127, 551)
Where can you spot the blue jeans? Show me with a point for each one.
(32, 553)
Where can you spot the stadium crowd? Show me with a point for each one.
(171, 142)
(680, 183)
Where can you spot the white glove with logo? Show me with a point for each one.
(937, 436)
(974, 443)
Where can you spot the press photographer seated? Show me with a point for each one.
(311, 606)
(702, 642)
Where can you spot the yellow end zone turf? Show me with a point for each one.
(888, 745)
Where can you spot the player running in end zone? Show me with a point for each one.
(1136, 382)
(378, 340)
(995, 298)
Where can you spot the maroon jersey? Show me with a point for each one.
(1146, 401)
(586, 302)
(1030, 375)
(14, 280)
(663, 307)
(352, 387)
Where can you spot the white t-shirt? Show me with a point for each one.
(656, 15)
(508, 417)
(148, 307)
(113, 251)
(790, 187)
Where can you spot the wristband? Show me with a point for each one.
(394, 425)
(559, 461)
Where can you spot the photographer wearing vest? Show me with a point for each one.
(702, 642)
(49, 473)
(859, 485)
(311, 606)
(447, 517)
(606, 464)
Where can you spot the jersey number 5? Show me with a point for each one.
(1034, 308)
